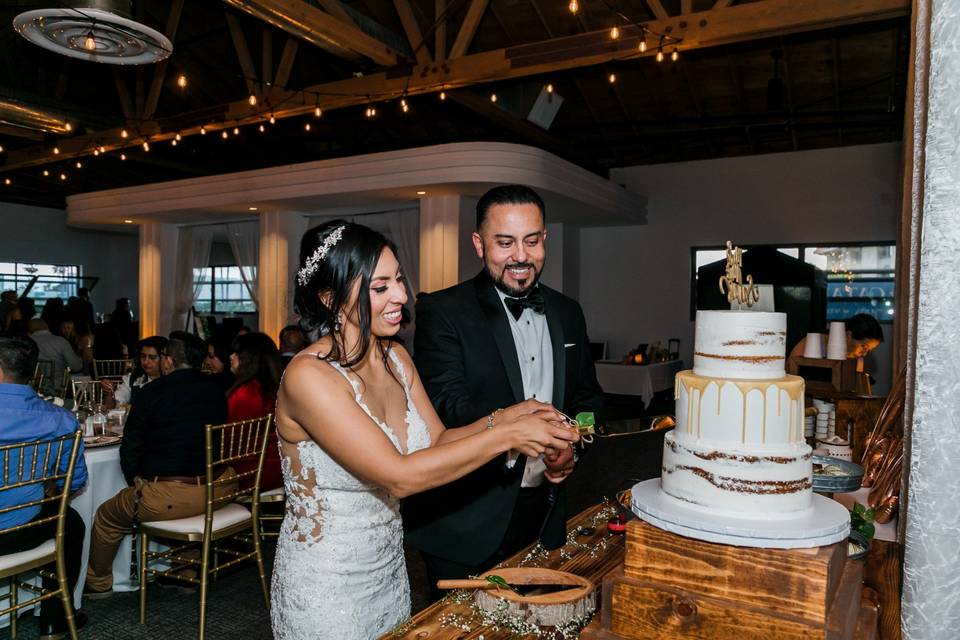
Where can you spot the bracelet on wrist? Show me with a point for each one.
(493, 416)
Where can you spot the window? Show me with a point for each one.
(860, 277)
(222, 291)
(49, 280)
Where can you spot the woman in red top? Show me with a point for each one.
(255, 361)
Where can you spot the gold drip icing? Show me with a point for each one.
(691, 382)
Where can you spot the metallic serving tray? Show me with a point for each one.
(837, 484)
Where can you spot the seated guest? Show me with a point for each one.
(217, 362)
(292, 342)
(255, 362)
(56, 350)
(162, 456)
(144, 372)
(52, 313)
(25, 417)
(8, 302)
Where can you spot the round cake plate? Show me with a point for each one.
(829, 522)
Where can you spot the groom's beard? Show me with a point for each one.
(526, 285)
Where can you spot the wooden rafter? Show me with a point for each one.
(686, 7)
(126, 104)
(440, 30)
(469, 28)
(313, 25)
(266, 57)
(286, 62)
(243, 53)
(656, 7)
(160, 71)
(769, 18)
(412, 29)
(337, 10)
(722, 4)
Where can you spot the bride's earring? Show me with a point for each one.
(338, 323)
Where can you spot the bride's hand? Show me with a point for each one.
(532, 434)
(527, 407)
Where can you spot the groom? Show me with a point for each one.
(483, 345)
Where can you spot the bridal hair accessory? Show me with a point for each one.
(304, 275)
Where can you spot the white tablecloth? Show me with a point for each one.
(637, 380)
(105, 480)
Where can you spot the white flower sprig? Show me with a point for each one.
(304, 274)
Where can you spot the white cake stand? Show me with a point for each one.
(828, 522)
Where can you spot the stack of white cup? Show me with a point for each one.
(813, 346)
(823, 421)
(837, 342)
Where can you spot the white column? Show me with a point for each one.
(280, 233)
(158, 251)
(931, 560)
(439, 242)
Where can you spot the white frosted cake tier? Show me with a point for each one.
(736, 412)
(740, 344)
(761, 481)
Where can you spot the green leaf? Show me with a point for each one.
(858, 508)
(869, 515)
(500, 582)
(586, 419)
(868, 530)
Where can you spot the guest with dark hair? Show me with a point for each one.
(255, 362)
(217, 361)
(145, 370)
(162, 456)
(292, 342)
(83, 341)
(25, 418)
(85, 307)
(53, 313)
(10, 322)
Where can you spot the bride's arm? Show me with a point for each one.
(318, 399)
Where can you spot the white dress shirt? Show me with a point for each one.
(531, 338)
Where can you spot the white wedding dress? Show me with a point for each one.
(339, 570)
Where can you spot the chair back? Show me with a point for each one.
(47, 464)
(114, 369)
(87, 392)
(229, 444)
(45, 377)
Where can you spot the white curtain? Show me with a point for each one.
(244, 238)
(193, 252)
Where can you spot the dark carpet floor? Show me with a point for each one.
(236, 609)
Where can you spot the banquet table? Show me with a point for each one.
(637, 380)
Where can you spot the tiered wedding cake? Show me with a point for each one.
(738, 448)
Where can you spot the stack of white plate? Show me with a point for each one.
(809, 426)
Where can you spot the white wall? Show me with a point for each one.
(635, 281)
(38, 234)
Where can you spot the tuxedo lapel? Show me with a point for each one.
(500, 328)
(559, 351)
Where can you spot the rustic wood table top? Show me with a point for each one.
(591, 551)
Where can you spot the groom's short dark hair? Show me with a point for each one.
(508, 194)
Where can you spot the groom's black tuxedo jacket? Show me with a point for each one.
(467, 359)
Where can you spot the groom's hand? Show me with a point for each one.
(559, 465)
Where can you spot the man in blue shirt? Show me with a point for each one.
(25, 417)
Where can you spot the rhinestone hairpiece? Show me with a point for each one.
(304, 274)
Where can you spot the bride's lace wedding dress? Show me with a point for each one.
(339, 570)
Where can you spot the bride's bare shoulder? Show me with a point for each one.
(310, 371)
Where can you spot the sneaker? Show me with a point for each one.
(96, 594)
(59, 630)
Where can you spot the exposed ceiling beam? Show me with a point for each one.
(469, 28)
(440, 30)
(412, 29)
(722, 4)
(21, 132)
(769, 18)
(337, 10)
(686, 7)
(286, 62)
(243, 53)
(266, 56)
(160, 70)
(126, 104)
(319, 28)
(658, 11)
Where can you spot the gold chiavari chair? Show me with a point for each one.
(45, 372)
(220, 530)
(111, 369)
(37, 382)
(271, 517)
(87, 392)
(38, 463)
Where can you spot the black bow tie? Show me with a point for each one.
(532, 301)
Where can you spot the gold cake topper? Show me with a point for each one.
(732, 283)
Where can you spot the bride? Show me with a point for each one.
(357, 432)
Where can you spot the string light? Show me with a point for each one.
(63, 176)
(124, 134)
(612, 78)
(7, 181)
(643, 44)
(493, 97)
(182, 81)
(252, 100)
(404, 106)
(1, 148)
(203, 131)
(371, 112)
(272, 119)
(173, 142)
(614, 33)
(443, 95)
(68, 126)
(573, 6)
(262, 128)
(146, 146)
(96, 152)
(675, 55)
(549, 88)
(177, 137)
(236, 131)
(56, 151)
(123, 156)
(660, 50)
(103, 149)
(79, 165)
(306, 126)
(317, 112)
(46, 173)
(224, 134)
(90, 43)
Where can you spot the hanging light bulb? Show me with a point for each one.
(443, 95)
(7, 181)
(252, 100)
(317, 112)
(573, 6)
(56, 151)
(123, 156)
(146, 146)
(643, 45)
(306, 126)
(89, 42)
(177, 137)
(46, 173)
(224, 134)
(173, 142)
(79, 165)
(1, 148)
(203, 131)
(103, 149)
(236, 131)
(63, 176)
(549, 88)
(262, 128)
(493, 97)
(96, 152)
(272, 119)
(68, 126)
(124, 134)
(675, 55)
(612, 78)
(659, 55)
(182, 81)
(614, 33)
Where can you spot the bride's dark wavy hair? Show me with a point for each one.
(353, 257)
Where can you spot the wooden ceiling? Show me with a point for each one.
(752, 77)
